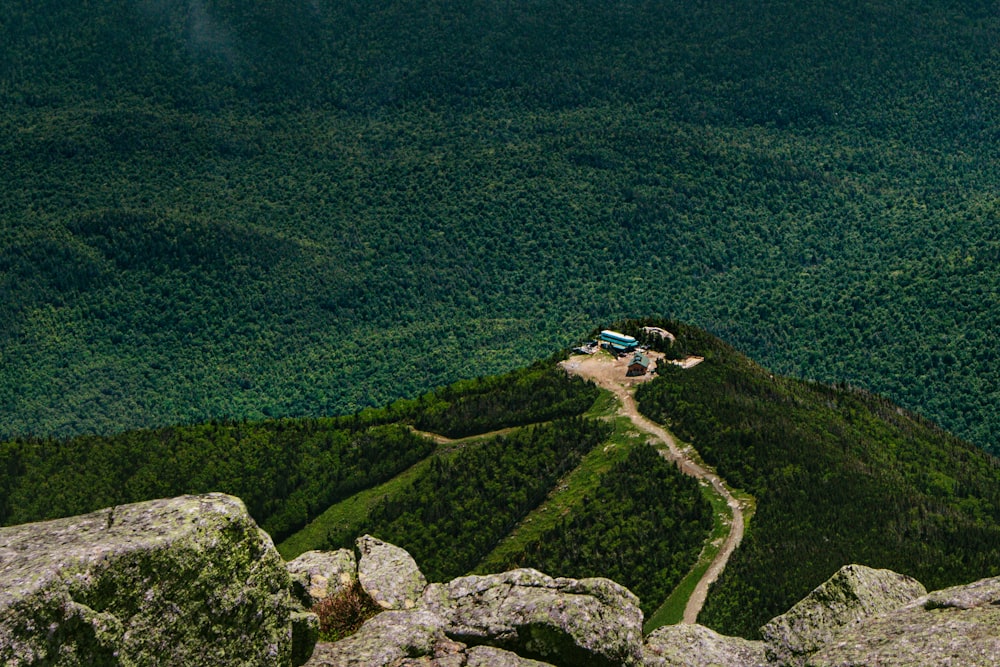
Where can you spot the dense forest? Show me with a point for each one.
(538, 393)
(219, 210)
(840, 476)
(287, 471)
(643, 528)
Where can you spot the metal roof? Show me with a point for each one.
(615, 337)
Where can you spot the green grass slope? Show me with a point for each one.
(840, 476)
(582, 497)
(265, 209)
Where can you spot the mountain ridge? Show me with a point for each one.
(193, 579)
(839, 476)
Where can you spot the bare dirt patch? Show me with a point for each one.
(604, 369)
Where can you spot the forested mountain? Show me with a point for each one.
(467, 494)
(214, 209)
(840, 476)
(557, 483)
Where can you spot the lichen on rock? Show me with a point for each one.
(852, 594)
(564, 621)
(686, 645)
(182, 581)
(389, 574)
(317, 575)
(955, 627)
(389, 637)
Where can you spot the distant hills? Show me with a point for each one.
(533, 468)
(227, 210)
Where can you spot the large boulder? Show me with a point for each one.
(389, 574)
(384, 639)
(854, 593)
(958, 627)
(489, 656)
(317, 575)
(182, 581)
(686, 645)
(563, 621)
(410, 639)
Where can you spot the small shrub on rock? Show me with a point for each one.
(341, 615)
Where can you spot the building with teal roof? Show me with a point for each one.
(618, 342)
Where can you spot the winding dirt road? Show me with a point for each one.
(610, 374)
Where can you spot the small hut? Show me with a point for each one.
(639, 365)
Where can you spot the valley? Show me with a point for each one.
(329, 256)
(327, 207)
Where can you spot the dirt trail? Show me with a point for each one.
(445, 440)
(610, 374)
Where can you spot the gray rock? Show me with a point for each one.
(319, 574)
(182, 581)
(564, 621)
(854, 593)
(410, 639)
(489, 656)
(389, 574)
(389, 637)
(697, 646)
(454, 654)
(956, 627)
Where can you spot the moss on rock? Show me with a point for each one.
(185, 581)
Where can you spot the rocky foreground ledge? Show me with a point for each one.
(194, 581)
(182, 581)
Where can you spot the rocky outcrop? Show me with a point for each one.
(697, 646)
(564, 621)
(193, 581)
(488, 656)
(955, 627)
(389, 574)
(184, 581)
(854, 593)
(523, 618)
(319, 574)
(516, 618)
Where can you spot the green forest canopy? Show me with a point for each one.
(840, 476)
(263, 209)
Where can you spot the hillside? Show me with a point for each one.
(840, 475)
(536, 468)
(597, 498)
(218, 210)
